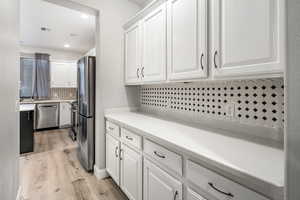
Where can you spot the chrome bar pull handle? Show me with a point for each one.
(215, 62)
(220, 191)
(138, 72)
(201, 61)
(121, 154)
(116, 152)
(159, 155)
(129, 138)
(142, 72)
(175, 195)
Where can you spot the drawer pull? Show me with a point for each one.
(116, 152)
(121, 154)
(175, 195)
(159, 155)
(220, 191)
(137, 72)
(201, 61)
(129, 138)
(215, 62)
(111, 128)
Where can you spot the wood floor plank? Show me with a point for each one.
(82, 190)
(53, 172)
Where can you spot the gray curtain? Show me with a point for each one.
(41, 76)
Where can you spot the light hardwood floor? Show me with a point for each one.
(53, 172)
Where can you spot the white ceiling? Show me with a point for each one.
(62, 21)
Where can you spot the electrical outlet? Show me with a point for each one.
(230, 110)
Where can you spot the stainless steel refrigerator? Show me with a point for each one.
(86, 112)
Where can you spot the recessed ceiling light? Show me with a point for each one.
(66, 45)
(84, 16)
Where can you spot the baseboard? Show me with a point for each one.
(19, 194)
(100, 173)
(65, 126)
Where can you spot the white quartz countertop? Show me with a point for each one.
(49, 101)
(27, 107)
(262, 166)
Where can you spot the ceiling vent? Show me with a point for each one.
(45, 29)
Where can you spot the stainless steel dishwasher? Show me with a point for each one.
(47, 115)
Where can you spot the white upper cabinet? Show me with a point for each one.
(154, 48)
(132, 54)
(72, 75)
(91, 52)
(63, 74)
(169, 41)
(248, 38)
(187, 39)
(57, 74)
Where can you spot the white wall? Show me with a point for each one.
(9, 118)
(110, 89)
(55, 54)
(292, 135)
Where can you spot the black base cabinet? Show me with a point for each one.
(26, 131)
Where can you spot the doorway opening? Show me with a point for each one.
(55, 35)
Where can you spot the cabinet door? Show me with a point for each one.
(132, 54)
(160, 185)
(187, 39)
(112, 158)
(248, 38)
(65, 115)
(131, 173)
(72, 75)
(58, 74)
(191, 195)
(26, 131)
(154, 30)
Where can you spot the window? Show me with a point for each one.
(26, 72)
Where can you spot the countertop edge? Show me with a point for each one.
(49, 101)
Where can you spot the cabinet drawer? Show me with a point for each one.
(131, 138)
(219, 186)
(112, 129)
(191, 195)
(164, 156)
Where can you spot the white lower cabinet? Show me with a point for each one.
(218, 186)
(65, 115)
(124, 162)
(112, 157)
(144, 173)
(158, 185)
(131, 173)
(191, 195)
